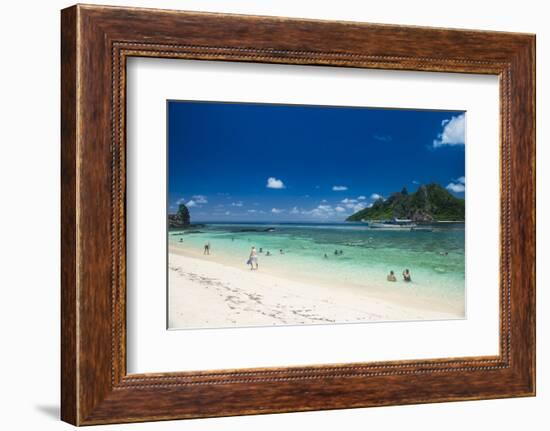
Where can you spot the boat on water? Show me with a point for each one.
(403, 224)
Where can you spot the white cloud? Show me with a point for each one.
(453, 132)
(252, 211)
(321, 211)
(362, 198)
(376, 196)
(339, 188)
(276, 210)
(348, 201)
(227, 212)
(295, 210)
(195, 201)
(237, 204)
(326, 211)
(382, 138)
(456, 187)
(351, 204)
(274, 183)
(415, 182)
(180, 201)
(200, 199)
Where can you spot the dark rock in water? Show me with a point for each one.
(181, 219)
(269, 229)
(184, 230)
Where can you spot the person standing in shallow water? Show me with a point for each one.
(407, 276)
(207, 248)
(253, 258)
(391, 276)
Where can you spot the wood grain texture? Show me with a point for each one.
(96, 41)
(69, 366)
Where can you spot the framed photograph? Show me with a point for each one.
(266, 215)
(330, 215)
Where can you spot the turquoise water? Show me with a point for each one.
(435, 259)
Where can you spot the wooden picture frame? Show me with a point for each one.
(96, 41)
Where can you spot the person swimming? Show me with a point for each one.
(407, 276)
(268, 253)
(326, 257)
(281, 251)
(391, 276)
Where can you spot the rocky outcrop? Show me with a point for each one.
(181, 219)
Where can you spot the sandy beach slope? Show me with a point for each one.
(205, 293)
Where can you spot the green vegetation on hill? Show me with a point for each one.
(430, 202)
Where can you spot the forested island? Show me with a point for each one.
(431, 202)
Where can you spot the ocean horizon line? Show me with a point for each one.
(305, 222)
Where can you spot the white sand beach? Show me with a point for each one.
(210, 292)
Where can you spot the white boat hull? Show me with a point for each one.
(391, 226)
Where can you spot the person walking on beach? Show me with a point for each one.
(253, 258)
(207, 248)
(391, 276)
(406, 276)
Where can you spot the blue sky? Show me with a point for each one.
(265, 162)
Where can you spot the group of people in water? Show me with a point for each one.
(253, 261)
(336, 253)
(253, 257)
(406, 276)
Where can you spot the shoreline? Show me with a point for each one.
(220, 291)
